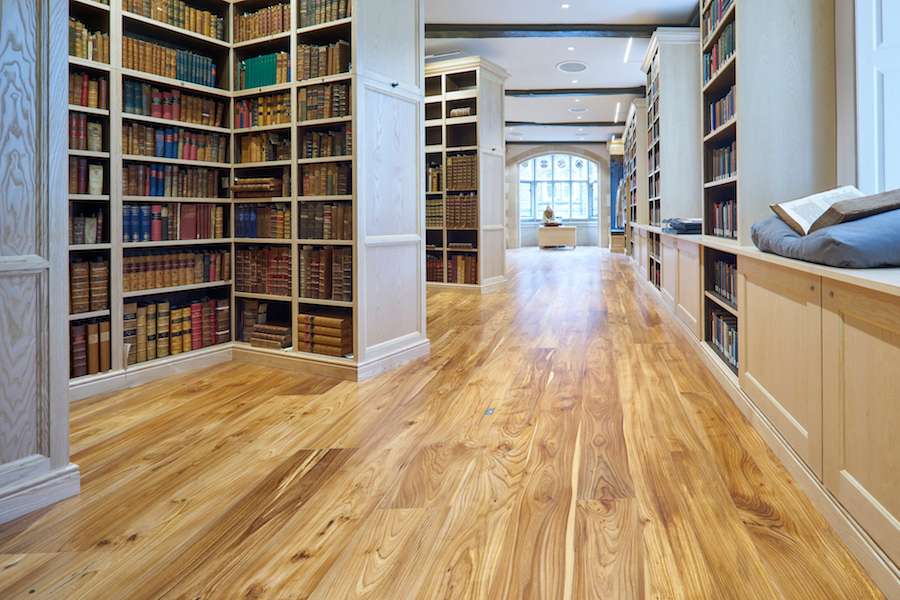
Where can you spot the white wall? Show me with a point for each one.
(588, 235)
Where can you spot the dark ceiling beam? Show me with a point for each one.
(470, 30)
(606, 91)
(564, 124)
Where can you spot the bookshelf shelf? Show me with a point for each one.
(724, 76)
(88, 64)
(335, 198)
(324, 302)
(96, 314)
(175, 289)
(268, 297)
(176, 83)
(261, 41)
(88, 154)
(265, 200)
(170, 123)
(274, 241)
(330, 121)
(258, 128)
(325, 79)
(722, 132)
(177, 243)
(175, 161)
(92, 5)
(727, 18)
(152, 28)
(309, 242)
(325, 159)
(721, 302)
(263, 164)
(721, 182)
(102, 112)
(331, 25)
(266, 89)
(89, 247)
(175, 200)
(89, 198)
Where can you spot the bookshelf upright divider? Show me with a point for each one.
(465, 143)
(392, 85)
(637, 173)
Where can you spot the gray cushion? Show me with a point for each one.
(864, 244)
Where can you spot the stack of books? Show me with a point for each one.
(85, 227)
(179, 14)
(270, 335)
(169, 268)
(171, 181)
(434, 268)
(160, 329)
(88, 285)
(323, 332)
(88, 90)
(317, 12)
(85, 133)
(434, 213)
(462, 211)
(252, 312)
(149, 101)
(326, 101)
(326, 273)
(273, 109)
(462, 173)
(263, 221)
(319, 144)
(264, 270)
(177, 221)
(157, 59)
(86, 177)
(174, 142)
(326, 221)
(264, 147)
(89, 347)
(462, 268)
(263, 187)
(319, 61)
(326, 179)
(90, 45)
(267, 69)
(262, 22)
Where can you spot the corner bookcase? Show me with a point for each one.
(465, 156)
(768, 135)
(235, 139)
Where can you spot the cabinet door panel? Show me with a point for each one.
(781, 344)
(861, 363)
(669, 278)
(689, 291)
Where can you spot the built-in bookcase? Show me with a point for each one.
(768, 131)
(464, 165)
(720, 301)
(231, 160)
(636, 171)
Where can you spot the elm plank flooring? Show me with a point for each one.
(561, 441)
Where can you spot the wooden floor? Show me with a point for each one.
(562, 441)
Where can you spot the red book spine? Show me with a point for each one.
(84, 89)
(176, 105)
(156, 104)
(196, 326)
(156, 223)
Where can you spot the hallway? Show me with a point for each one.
(561, 441)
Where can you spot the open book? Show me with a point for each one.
(809, 214)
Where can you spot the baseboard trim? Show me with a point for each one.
(36, 493)
(141, 373)
(874, 561)
(388, 361)
(323, 366)
(485, 287)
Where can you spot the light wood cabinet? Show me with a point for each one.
(643, 250)
(688, 302)
(861, 416)
(781, 368)
(669, 281)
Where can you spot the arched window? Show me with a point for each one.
(566, 182)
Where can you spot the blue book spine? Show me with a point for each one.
(253, 230)
(145, 222)
(133, 218)
(126, 225)
(160, 140)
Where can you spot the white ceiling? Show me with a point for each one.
(532, 61)
(560, 134)
(542, 12)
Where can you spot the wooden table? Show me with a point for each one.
(557, 236)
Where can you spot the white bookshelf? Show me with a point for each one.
(478, 84)
(386, 87)
(635, 148)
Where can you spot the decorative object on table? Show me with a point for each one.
(550, 219)
(683, 226)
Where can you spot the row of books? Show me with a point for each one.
(462, 268)
(721, 111)
(723, 218)
(434, 268)
(88, 90)
(177, 221)
(157, 59)
(719, 54)
(434, 177)
(156, 269)
(161, 329)
(434, 213)
(263, 270)
(264, 146)
(267, 69)
(462, 172)
(654, 273)
(251, 312)
(326, 273)
(90, 45)
(86, 176)
(171, 181)
(85, 133)
(174, 142)
(321, 60)
(326, 179)
(332, 142)
(263, 187)
(325, 101)
(263, 221)
(262, 22)
(179, 14)
(725, 280)
(89, 347)
(462, 211)
(88, 285)
(316, 12)
(724, 335)
(712, 16)
(86, 224)
(273, 109)
(271, 335)
(723, 162)
(150, 101)
(325, 332)
(326, 221)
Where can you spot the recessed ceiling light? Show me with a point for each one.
(564, 6)
(578, 109)
(577, 99)
(574, 81)
(628, 50)
(571, 48)
(618, 108)
(580, 117)
(581, 129)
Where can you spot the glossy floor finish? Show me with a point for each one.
(561, 441)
